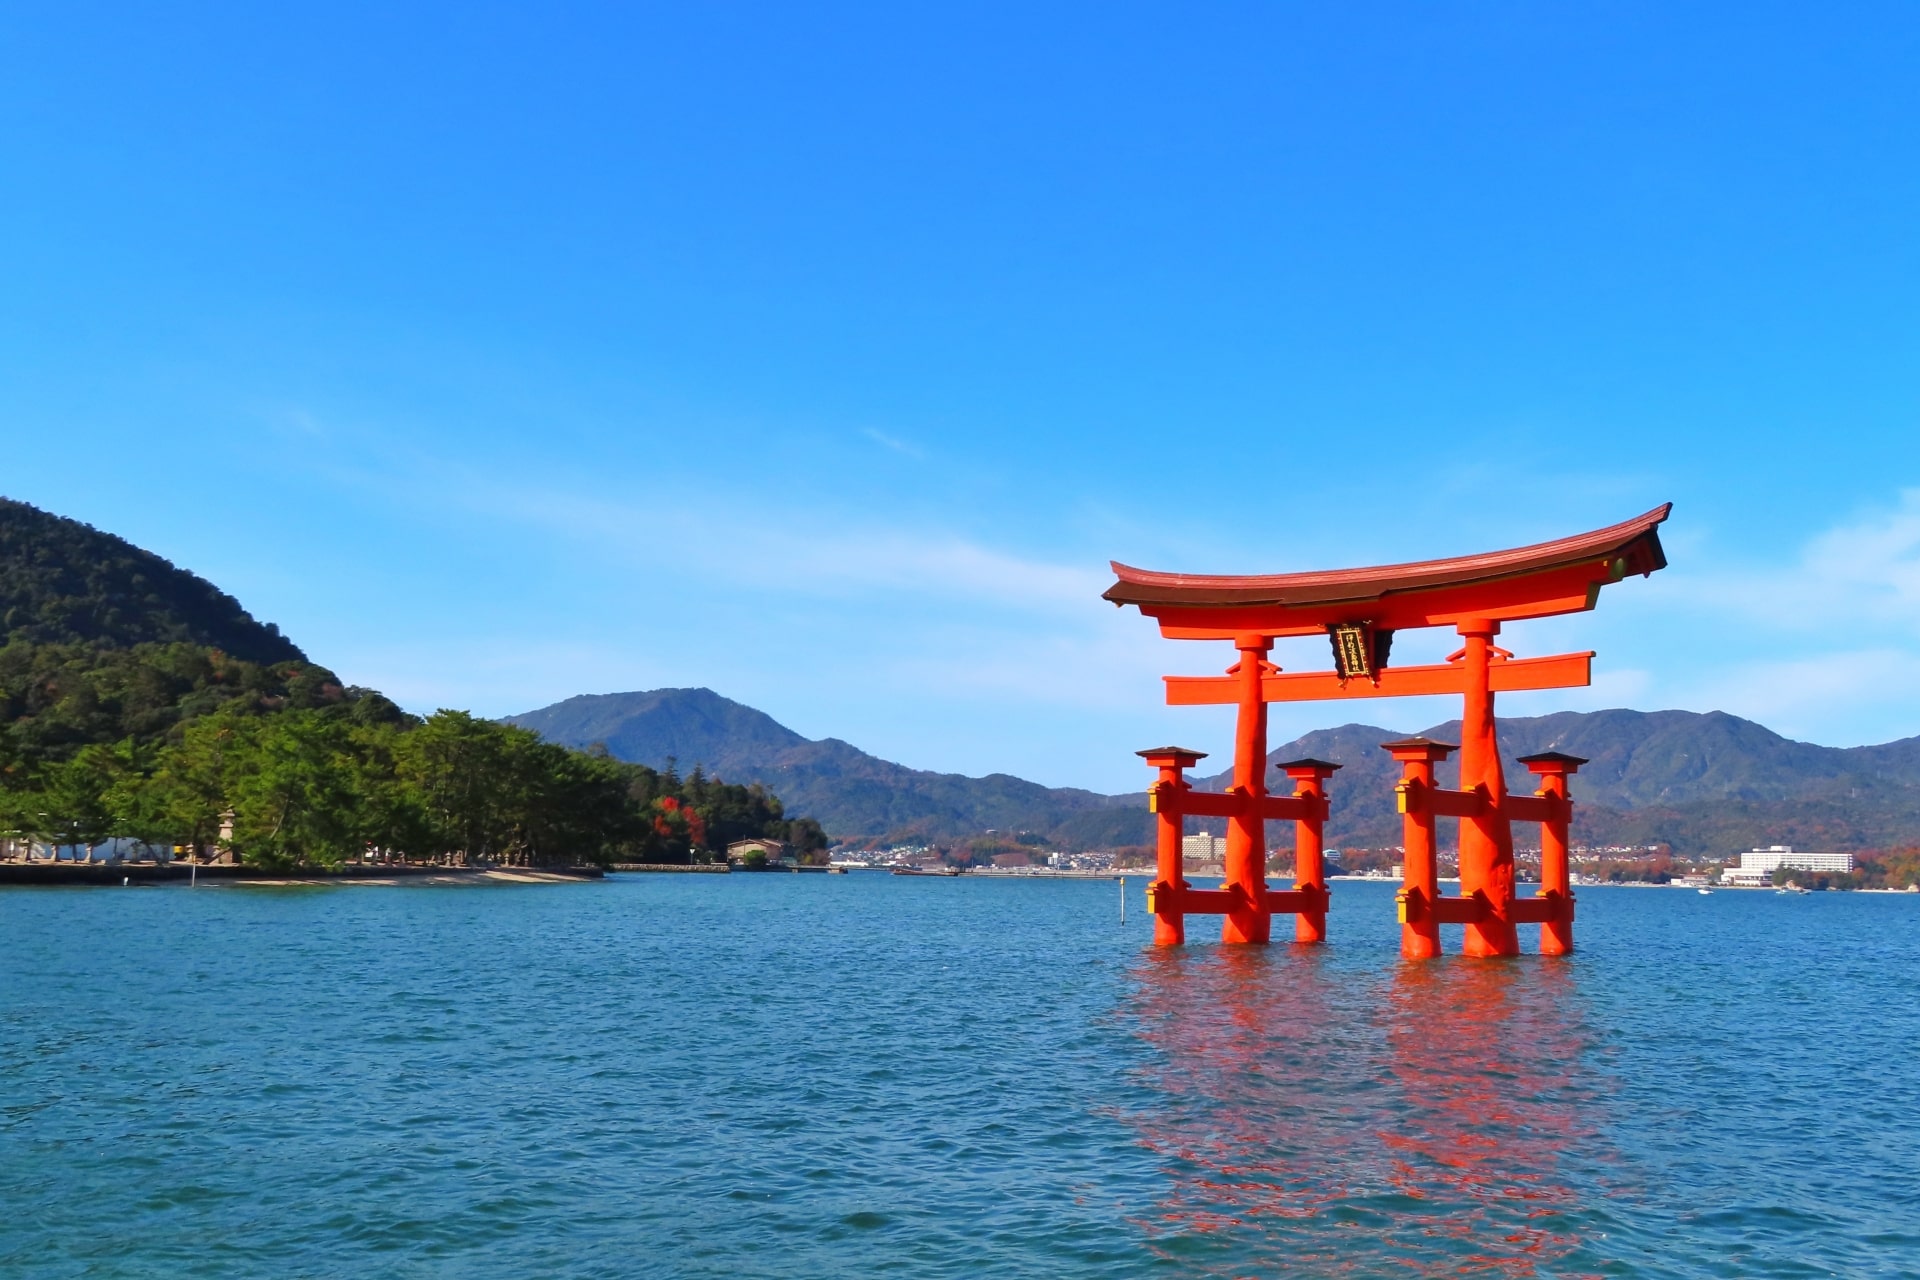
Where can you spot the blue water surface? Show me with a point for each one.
(800, 1076)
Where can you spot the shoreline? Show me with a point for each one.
(118, 874)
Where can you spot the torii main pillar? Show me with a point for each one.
(1359, 610)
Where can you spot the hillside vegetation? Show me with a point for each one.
(64, 582)
(138, 700)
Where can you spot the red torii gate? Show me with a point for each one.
(1359, 610)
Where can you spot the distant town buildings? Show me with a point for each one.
(1758, 865)
(1203, 848)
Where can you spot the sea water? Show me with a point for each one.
(799, 1076)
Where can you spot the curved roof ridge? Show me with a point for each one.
(1636, 539)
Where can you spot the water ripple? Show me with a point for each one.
(814, 1076)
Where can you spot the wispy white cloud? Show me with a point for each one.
(1103, 662)
(743, 541)
(498, 675)
(1870, 568)
(1866, 570)
(1801, 696)
(893, 443)
(779, 550)
(1822, 646)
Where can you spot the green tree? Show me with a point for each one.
(191, 780)
(293, 794)
(138, 807)
(809, 841)
(462, 769)
(393, 811)
(74, 796)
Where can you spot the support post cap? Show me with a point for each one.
(1550, 763)
(1427, 749)
(1171, 757)
(1308, 768)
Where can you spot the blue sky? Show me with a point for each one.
(823, 355)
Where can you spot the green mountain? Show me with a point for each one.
(102, 641)
(64, 582)
(851, 793)
(1703, 783)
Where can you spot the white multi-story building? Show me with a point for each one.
(1758, 865)
(1203, 848)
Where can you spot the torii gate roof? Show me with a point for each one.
(1563, 576)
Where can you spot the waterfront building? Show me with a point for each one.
(112, 849)
(1203, 848)
(776, 851)
(1758, 865)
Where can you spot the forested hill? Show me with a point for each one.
(102, 642)
(850, 792)
(1703, 783)
(64, 582)
(139, 701)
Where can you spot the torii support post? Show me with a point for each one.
(1420, 870)
(1486, 838)
(1309, 858)
(1173, 800)
(1553, 769)
(1163, 896)
(1249, 919)
(1422, 908)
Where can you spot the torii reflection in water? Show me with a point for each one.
(1324, 1121)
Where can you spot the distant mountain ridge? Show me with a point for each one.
(849, 791)
(1702, 782)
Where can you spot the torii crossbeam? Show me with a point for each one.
(1359, 610)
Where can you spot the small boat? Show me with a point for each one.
(926, 871)
(1705, 892)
